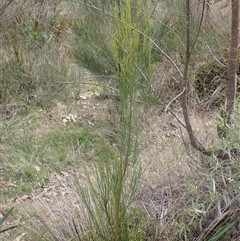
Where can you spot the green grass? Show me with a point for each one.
(30, 157)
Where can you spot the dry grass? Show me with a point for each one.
(167, 164)
(173, 174)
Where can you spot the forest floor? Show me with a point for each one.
(166, 156)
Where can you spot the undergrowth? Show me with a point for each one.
(81, 167)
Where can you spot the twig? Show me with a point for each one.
(167, 106)
(162, 52)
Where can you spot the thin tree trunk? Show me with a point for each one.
(231, 83)
(194, 142)
(231, 80)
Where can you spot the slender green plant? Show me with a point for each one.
(112, 191)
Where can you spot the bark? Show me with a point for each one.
(231, 83)
(194, 142)
(231, 80)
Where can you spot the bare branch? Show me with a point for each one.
(194, 142)
(167, 106)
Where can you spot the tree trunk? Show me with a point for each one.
(231, 83)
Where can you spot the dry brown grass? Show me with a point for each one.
(167, 160)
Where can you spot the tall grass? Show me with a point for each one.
(31, 30)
